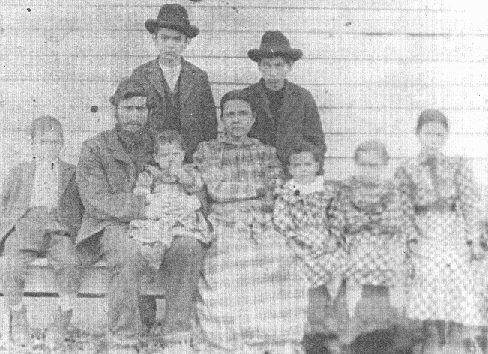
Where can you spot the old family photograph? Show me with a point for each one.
(243, 177)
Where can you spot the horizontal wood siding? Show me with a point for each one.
(372, 66)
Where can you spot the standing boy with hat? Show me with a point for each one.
(285, 112)
(181, 91)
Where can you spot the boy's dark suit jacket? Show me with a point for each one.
(198, 117)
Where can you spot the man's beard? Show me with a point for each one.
(134, 139)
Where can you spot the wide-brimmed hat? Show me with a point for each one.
(274, 44)
(173, 16)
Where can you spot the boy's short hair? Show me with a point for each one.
(372, 145)
(240, 95)
(168, 137)
(45, 124)
(304, 146)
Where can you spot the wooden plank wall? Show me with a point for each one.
(372, 65)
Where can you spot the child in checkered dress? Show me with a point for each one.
(301, 216)
(366, 213)
(441, 205)
(178, 185)
(253, 300)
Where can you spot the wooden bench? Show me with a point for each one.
(90, 313)
(41, 281)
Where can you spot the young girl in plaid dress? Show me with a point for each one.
(366, 213)
(440, 203)
(301, 216)
(253, 300)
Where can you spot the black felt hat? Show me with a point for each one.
(274, 44)
(173, 16)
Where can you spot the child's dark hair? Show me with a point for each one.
(168, 137)
(45, 124)
(305, 146)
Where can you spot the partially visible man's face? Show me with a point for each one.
(237, 118)
(132, 113)
(274, 72)
(170, 44)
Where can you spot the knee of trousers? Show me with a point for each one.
(185, 250)
(126, 255)
(15, 266)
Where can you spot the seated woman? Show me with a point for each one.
(253, 300)
(367, 215)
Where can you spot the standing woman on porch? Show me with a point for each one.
(441, 203)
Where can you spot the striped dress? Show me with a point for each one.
(253, 298)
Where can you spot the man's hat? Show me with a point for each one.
(127, 88)
(274, 44)
(173, 16)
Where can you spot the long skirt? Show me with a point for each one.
(253, 296)
(443, 287)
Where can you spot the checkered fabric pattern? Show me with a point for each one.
(444, 286)
(481, 281)
(252, 293)
(368, 218)
(237, 171)
(303, 220)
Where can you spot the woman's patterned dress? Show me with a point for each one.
(253, 297)
(301, 215)
(440, 203)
